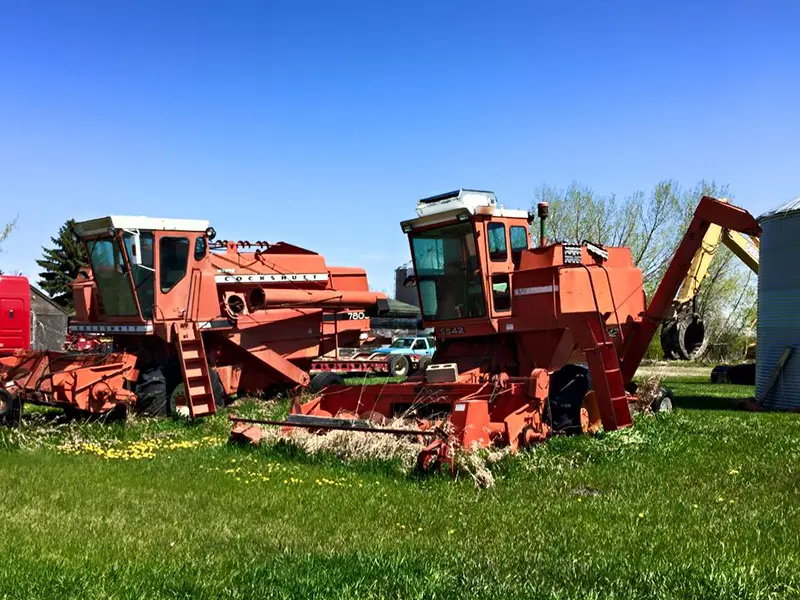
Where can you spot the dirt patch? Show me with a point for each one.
(666, 370)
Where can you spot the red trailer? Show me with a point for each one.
(15, 314)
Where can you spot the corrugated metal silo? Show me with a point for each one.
(779, 305)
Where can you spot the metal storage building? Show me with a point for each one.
(48, 322)
(779, 305)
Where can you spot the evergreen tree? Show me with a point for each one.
(61, 264)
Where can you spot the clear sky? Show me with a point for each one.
(322, 123)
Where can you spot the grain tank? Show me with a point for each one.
(778, 303)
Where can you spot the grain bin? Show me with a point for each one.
(779, 305)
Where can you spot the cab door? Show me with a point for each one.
(172, 254)
(14, 314)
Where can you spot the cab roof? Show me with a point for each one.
(451, 205)
(103, 224)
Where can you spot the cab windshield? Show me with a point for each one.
(448, 273)
(110, 274)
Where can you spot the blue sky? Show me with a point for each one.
(321, 124)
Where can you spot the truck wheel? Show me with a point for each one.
(322, 380)
(10, 409)
(398, 365)
(423, 363)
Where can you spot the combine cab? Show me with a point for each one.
(191, 319)
(531, 338)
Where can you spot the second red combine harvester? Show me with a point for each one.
(192, 320)
(529, 334)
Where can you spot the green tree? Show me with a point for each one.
(5, 232)
(60, 265)
(652, 224)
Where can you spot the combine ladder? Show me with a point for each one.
(604, 367)
(196, 377)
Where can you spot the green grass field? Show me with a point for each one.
(702, 503)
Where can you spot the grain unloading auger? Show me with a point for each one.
(192, 320)
(683, 331)
(516, 324)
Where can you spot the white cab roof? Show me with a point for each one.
(470, 200)
(445, 207)
(103, 224)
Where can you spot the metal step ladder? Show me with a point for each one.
(607, 381)
(199, 393)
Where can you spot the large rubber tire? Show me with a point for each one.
(398, 365)
(568, 386)
(151, 392)
(663, 404)
(743, 374)
(322, 380)
(684, 337)
(216, 387)
(10, 409)
(423, 363)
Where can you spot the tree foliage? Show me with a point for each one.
(651, 224)
(60, 265)
(5, 232)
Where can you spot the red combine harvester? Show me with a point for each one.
(192, 320)
(530, 339)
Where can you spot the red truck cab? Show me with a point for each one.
(15, 314)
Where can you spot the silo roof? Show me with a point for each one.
(790, 207)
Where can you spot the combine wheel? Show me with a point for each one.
(663, 404)
(423, 363)
(176, 398)
(568, 388)
(322, 380)
(10, 409)
(428, 461)
(398, 365)
(151, 392)
(527, 437)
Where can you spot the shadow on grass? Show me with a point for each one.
(708, 403)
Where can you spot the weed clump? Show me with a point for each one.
(353, 446)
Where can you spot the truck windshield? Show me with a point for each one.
(108, 268)
(448, 273)
(402, 343)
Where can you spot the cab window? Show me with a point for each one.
(173, 258)
(200, 247)
(497, 241)
(501, 292)
(519, 238)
